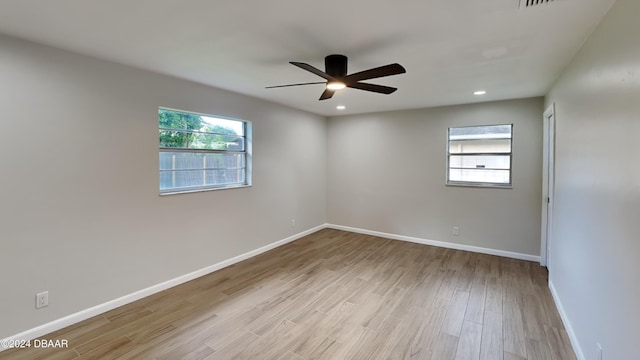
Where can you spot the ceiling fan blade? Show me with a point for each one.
(314, 70)
(327, 94)
(309, 83)
(373, 87)
(387, 70)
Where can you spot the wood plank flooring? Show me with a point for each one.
(335, 295)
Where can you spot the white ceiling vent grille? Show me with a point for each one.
(527, 4)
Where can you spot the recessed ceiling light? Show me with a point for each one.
(341, 107)
(479, 92)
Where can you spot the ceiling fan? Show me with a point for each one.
(336, 75)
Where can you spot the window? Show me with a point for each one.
(479, 155)
(202, 152)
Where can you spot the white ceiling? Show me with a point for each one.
(450, 48)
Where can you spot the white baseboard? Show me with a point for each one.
(567, 325)
(443, 244)
(110, 305)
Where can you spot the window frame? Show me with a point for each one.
(247, 130)
(480, 184)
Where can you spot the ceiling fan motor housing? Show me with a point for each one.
(336, 66)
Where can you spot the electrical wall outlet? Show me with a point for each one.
(456, 230)
(42, 299)
(293, 222)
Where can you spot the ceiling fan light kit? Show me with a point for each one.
(335, 85)
(336, 75)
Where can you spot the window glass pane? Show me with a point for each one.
(478, 132)
(219, 142)
(470, 158)
(480, 175)
(171, 119)
(480, 146)
(184, 179)
(213, 151)
(193, 131)
(480, 161)
(193, 161)
(198, 140)
(222, 126)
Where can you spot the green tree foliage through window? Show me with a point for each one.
(192, 131)
(217, 137)
(178, 120)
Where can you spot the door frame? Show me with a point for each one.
(548, 182)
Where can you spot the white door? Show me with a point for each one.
(548, 160)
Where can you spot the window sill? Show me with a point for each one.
(480, 185)
(177, 192)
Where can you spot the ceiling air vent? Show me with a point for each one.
(526, 4)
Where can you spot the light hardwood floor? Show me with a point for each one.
(336, 295)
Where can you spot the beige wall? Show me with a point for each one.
(80, 214)
(595, 250)
(387, 173)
